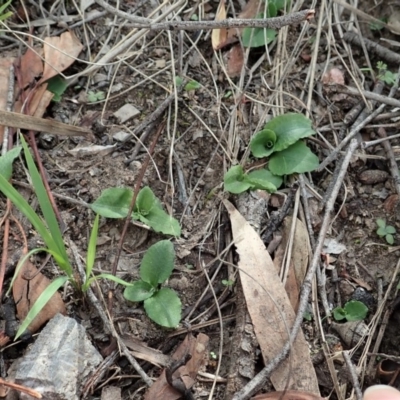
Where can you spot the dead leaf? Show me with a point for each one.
(59, 53)
(197, 347)
(143, 352)
(26, 291)
(234, 61)
(269, 307)
(287, 395)
(31, 67)
(299, 258)
(23, 121)
(218, 36)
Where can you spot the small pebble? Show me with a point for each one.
(373, 176)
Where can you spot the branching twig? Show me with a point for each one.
(382, 52)
(273, 23)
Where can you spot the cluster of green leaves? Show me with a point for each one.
(280, 141)
(384, 74)
(257, 37)
(49, 230)
(3, 13)
(353, 310)
(115, 203)
(386, 231)
(162, 304)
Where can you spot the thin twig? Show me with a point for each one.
(353, 374)
(394, 169)
(273, 23)
(357, 128)
(382, 52)
(368, 95)
(258, 382)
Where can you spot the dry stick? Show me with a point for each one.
(353, 375)
(369, 95)
(357, 128)
(106, 321)
(258, 382)
(382, 52)
(394, 169)
(273, 23)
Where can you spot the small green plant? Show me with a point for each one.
(386, 231)
(227, 282)
(3, 13)
(92, 96)
(162, 304)
(57, 85)
(256, 37)
(115, 202)
(213, 355)
(384, 74)
(353, 310)
(191, 85)
(280, 141)
(51, 234)
(378, 26)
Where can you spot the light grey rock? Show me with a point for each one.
(59, 361)
(126, 112)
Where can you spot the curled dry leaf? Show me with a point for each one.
(218, 36)
(28, 286)
(197, 348)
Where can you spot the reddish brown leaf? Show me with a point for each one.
(197, 347)
(31, 67)
(235, 59)
(26, 291)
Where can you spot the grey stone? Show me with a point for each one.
(59, 361)
(126, 112)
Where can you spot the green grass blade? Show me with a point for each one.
(45, 206)
(110, 277)
(10, 192)
(42, 300)
(91, 252)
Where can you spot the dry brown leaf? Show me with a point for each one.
(59, 53)
(234, 61)
(23, 121)
(26, 291)
(31, 67)
(287, 395)
(40, 101)
(270, 310)
(218, 36)
(143, 352)
(197, 347)
(299, 258)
